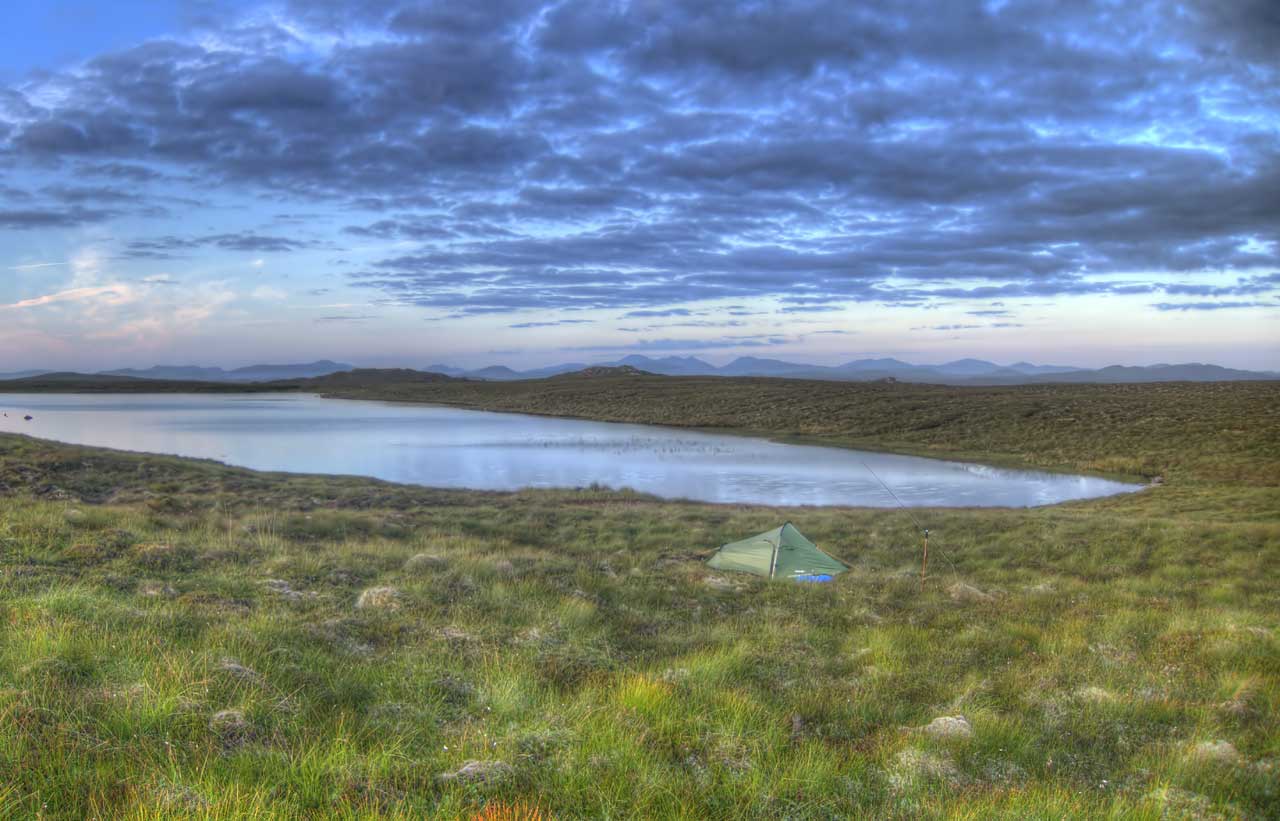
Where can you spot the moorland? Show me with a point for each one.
(183, 638)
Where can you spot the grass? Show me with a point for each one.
(182, 638)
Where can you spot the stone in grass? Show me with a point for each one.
(479, 772)
(455, 634)
(425, 563)
(238, 671)
(1215, 752)
(962, 592)
(284, 590)
(948, 727)
(231, 728)
(379, 598)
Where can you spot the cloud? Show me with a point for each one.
(116, 293)
(249, 242)
(552, 323)
(668, 344)
(345, 318)
(25, 218)
(35, 265)
(634, 156)
(1212, 306)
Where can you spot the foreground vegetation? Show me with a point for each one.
(182, 638)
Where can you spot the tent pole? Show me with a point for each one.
(924, 564)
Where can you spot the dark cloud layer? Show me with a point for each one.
(637, 154)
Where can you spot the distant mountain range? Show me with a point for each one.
(187, 373)
(958, 372)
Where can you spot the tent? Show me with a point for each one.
(781, 553)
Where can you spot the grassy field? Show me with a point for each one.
(186, 639)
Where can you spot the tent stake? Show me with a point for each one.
(924, 564)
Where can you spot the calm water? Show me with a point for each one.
(444, 447)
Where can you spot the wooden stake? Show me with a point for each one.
(924, 564)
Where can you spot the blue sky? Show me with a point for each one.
(394, 183)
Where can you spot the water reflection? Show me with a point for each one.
(444, 447)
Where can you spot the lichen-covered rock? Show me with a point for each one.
(948, 727)
(425, 563)
(238, 671)
(479, 772)
(379, 598)
(962, 592)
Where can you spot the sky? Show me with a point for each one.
(404, 183)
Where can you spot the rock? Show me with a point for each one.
(948, 727)
(379, 598)
(1215, 752)
(481, 772)
(424, 563)
(285, 591)
(231, 728)
(962, 592)
(238, 671)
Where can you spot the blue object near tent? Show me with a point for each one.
(815, 578)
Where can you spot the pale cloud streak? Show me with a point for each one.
(116, 294)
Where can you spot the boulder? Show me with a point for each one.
(479, 772)
(948, 727)
(962, 592)
(379, 598)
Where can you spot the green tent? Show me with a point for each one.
(781, 553)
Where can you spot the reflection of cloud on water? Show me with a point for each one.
(636, 444)
(456, 448)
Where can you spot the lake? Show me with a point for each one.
(446, 447)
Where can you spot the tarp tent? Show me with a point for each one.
(781, 553)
